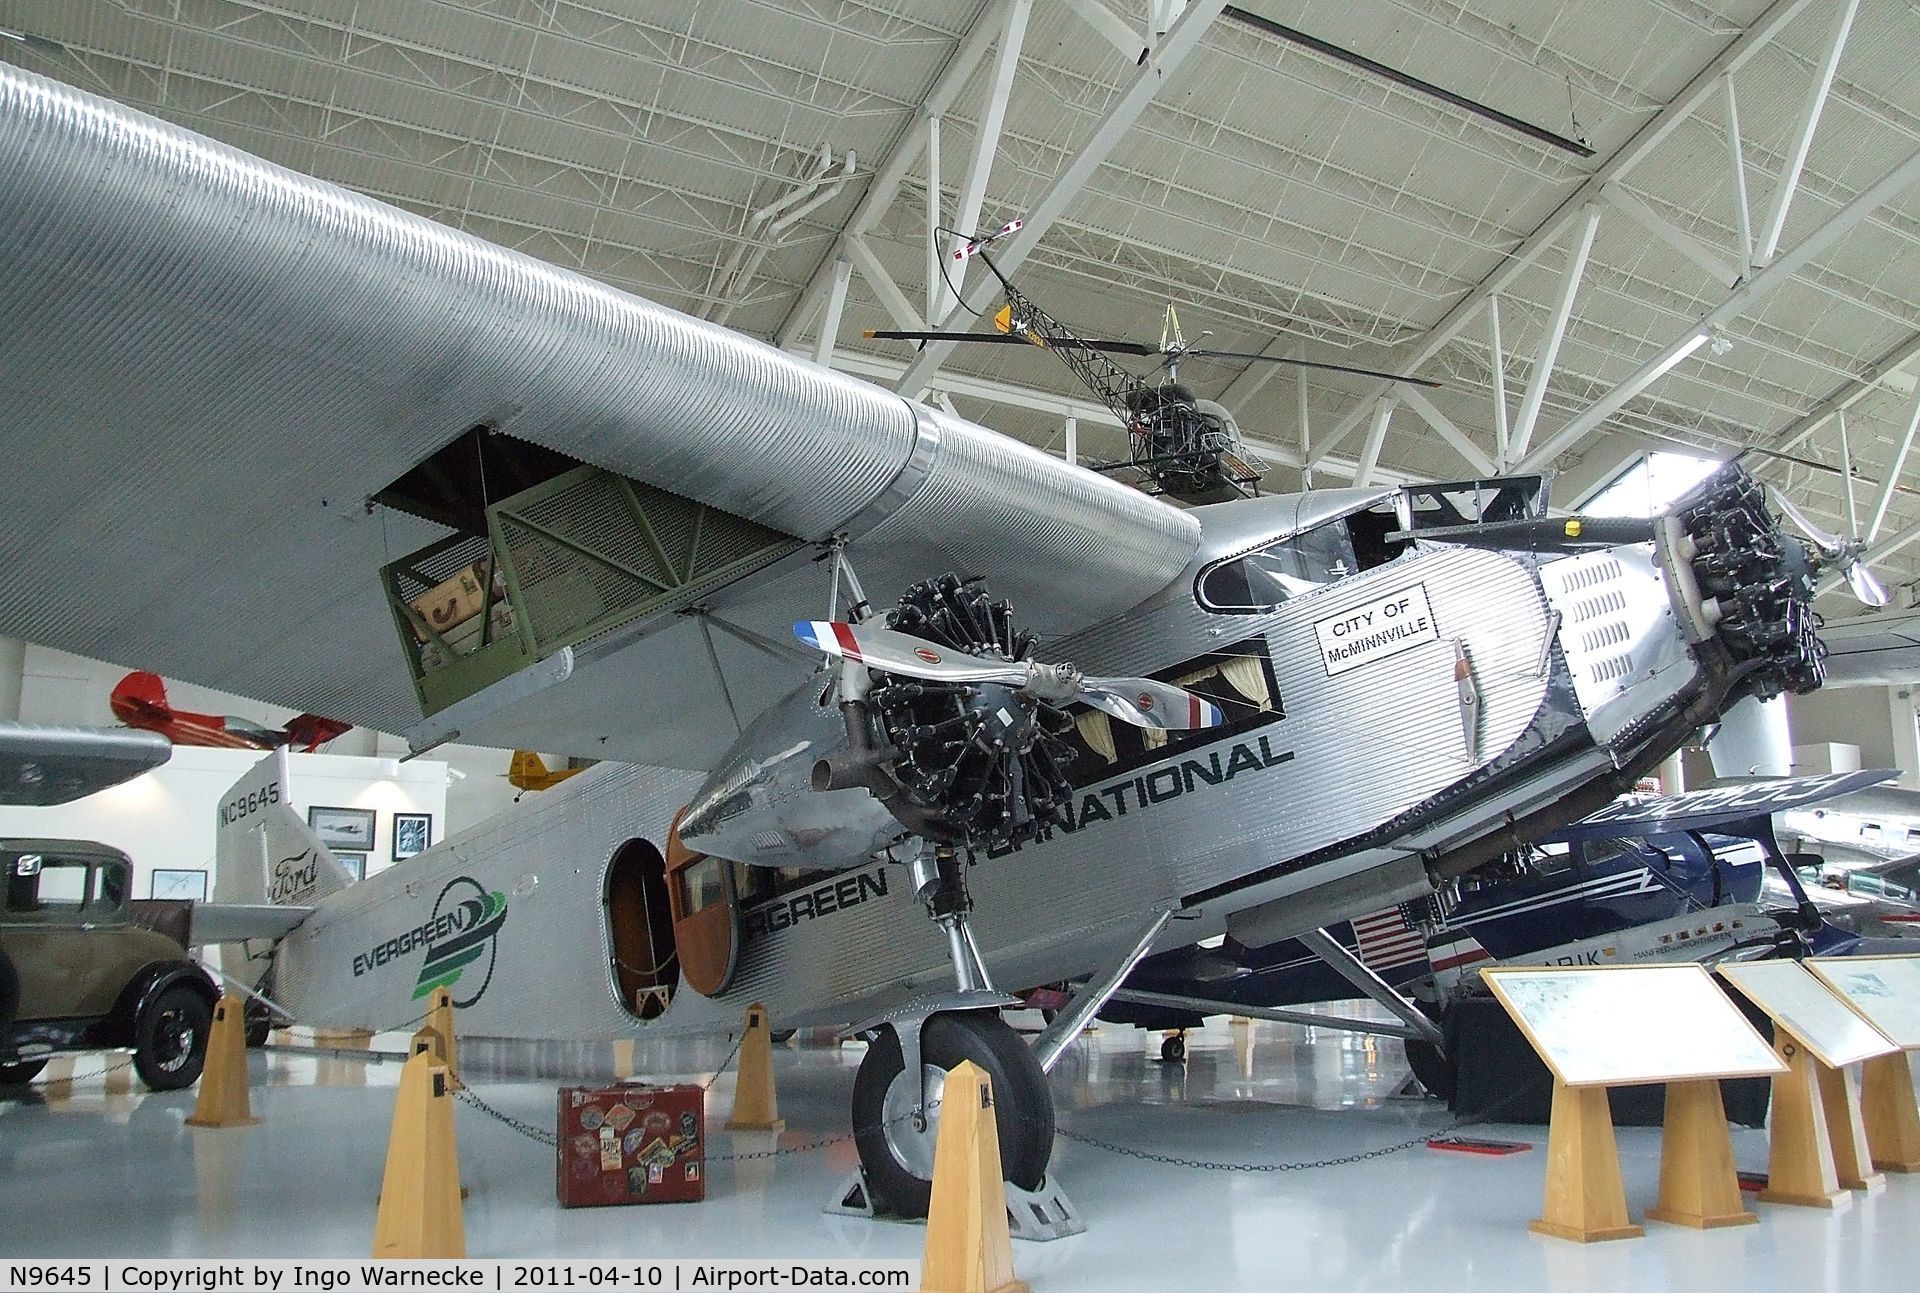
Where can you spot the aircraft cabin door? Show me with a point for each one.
(706, 916)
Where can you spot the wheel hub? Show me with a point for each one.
(910, 1129)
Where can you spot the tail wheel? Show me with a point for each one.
(896, 1146)
(1173, 1050)
(170, 1039)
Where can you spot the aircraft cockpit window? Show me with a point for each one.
(1266, 577)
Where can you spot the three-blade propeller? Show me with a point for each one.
(1143, 702)
(1847, 554)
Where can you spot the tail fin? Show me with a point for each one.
(263, 852)
(526, 770)
(139, 695)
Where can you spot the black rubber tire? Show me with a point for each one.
(21, 1073)
(177, 1014)
(1023, 1106)
(781, 1036)
(1431, 1069)
(1173, 1050)
(259, 1025)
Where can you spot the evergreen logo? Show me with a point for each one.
(475, 919)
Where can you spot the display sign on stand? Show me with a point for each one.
(1817, 1142)
(1885, 991)
(1598, 1027)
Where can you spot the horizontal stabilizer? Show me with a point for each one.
(236, 922)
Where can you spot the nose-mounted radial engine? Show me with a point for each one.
(956, 730)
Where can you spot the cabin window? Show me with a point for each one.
(57, 886)
(1262, 579)
(1238, 678)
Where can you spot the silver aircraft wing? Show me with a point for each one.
(55, 765)
(213, 366)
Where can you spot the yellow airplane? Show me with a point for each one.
(528, 771)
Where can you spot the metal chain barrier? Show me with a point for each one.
(114, 1067)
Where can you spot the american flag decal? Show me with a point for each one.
(1387, 942)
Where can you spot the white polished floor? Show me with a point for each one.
(88, 1168)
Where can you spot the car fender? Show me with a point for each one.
(146, 985)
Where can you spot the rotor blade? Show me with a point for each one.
(988, 338)
(902, 654)
(1827, 542)
(1146, 703)
(1311, 363)
(1866, 585)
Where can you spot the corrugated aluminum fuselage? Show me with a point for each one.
(1310, 794)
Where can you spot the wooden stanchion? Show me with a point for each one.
(1840, 1099)
(1586, 1199)
(420, 1190)
(969, 1249)
(1891, 1114)
(224, 1100)
(1800, 1152)
(756, 1106)
(1698, 1184)
(440, 1019)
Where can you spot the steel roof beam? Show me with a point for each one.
(986, 142)
(1893, 472)
(1671, 234)
(1556, 332)
(1151, 77)
(1886, 366)
(1776, 221)
(1444, 427)
(887, 177)
(1742, 299)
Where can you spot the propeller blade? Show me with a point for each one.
(900, 653)
(1866, 585)
(1829, 543)
(1146, 703)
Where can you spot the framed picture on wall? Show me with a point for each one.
(355, 863)
(412, 833)
(343, 828)
(190, 885)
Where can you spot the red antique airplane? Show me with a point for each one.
(140, 700)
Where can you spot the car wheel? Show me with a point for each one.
(21, 1073)
(896, 1150)
(9, 990)
(170, 1039)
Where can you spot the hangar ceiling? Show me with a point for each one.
(765, 163)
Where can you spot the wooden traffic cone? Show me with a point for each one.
(440, 1019)
(969, 1249)
(756, 1107)
(420, 1191)
(224, 1100)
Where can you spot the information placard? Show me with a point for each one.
(1885, 989)
(1808, 1010)
(1625, 1025)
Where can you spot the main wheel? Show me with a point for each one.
(170, 1039)
(21, 1073)
(896, 1147)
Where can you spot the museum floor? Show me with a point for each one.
(89, 1169)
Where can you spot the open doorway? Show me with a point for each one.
(640, 942)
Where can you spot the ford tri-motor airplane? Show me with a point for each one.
(644, 539)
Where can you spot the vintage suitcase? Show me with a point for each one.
(452, 602)
(631, 1144)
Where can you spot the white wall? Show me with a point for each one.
(58, 687)
(166, 817)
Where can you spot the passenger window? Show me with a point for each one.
(1263, 579)
(702, 884)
